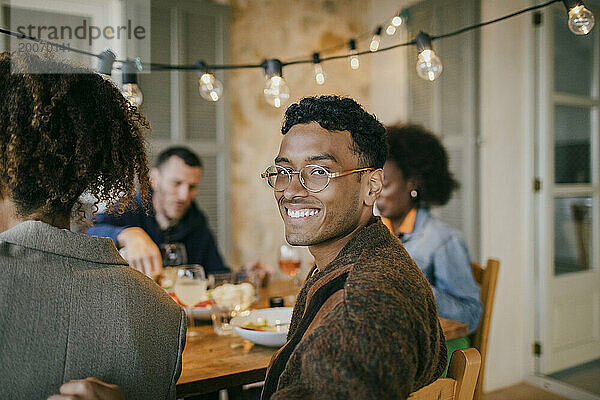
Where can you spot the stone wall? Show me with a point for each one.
(286, 30)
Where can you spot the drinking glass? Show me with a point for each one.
(290, 262)
(190, 288)
(173, 254)
(229, 299)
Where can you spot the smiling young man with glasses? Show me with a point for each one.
(365, 323)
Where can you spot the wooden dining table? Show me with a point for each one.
(212, 362)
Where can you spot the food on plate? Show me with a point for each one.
(203, 303)
(261, 324)
(229, 294)
(225, 295)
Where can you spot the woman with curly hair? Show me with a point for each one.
(70, 306)
(416, 177)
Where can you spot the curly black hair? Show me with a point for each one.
(336, 113)
(66, 133)
(420, 155)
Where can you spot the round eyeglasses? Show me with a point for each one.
(313, 178)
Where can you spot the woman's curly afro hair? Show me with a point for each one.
(336, 113)
(66, 133)
(420, 155)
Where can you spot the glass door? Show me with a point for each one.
(568, 199)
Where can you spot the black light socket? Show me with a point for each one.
(273, 67)
(352, 44)
(129, 72)
(316, 58)
(423, 42)
(105, 62)
(572, 3)
(201, 68)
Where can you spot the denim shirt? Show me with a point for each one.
(443, 257)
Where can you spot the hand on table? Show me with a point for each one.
(88, 389)
(142, 253)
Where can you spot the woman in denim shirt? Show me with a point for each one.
(416, 178)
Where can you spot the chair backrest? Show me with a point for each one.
(486, 278)
(460, 382)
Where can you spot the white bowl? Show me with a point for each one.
(276, 315)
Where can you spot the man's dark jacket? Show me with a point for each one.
(364, 327)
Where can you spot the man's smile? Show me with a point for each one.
(301, 213)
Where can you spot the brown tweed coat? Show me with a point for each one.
(364, 327)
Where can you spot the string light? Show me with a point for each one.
(276, 90)
(209, 87)
(429, 66)
(354, 61)
(130, 89)
(581, 20)
(374, 46)
(318, 72)
(106, 60)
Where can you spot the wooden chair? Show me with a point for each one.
(460, 381)
(486, 278)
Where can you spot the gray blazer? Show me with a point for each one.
(70, 308)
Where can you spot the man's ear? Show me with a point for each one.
(154, 177)
(374, 186)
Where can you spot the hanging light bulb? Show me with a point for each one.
(429, 66)
(105, 62)
(354, 61)
(396, 21)
(276, 90)
(130, 88)
(209, 87)
(374, 46)
(318, 73)
(581, 20)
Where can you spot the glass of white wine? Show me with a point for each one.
(190, 288)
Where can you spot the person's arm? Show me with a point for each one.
(88, 389)
(109, 225)
(455, 290)
(140, 250)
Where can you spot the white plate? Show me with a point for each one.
(277, 315)
(197, 312)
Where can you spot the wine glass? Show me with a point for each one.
(290, 262)
(173, 254)
(227, 301)
(190, 289)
